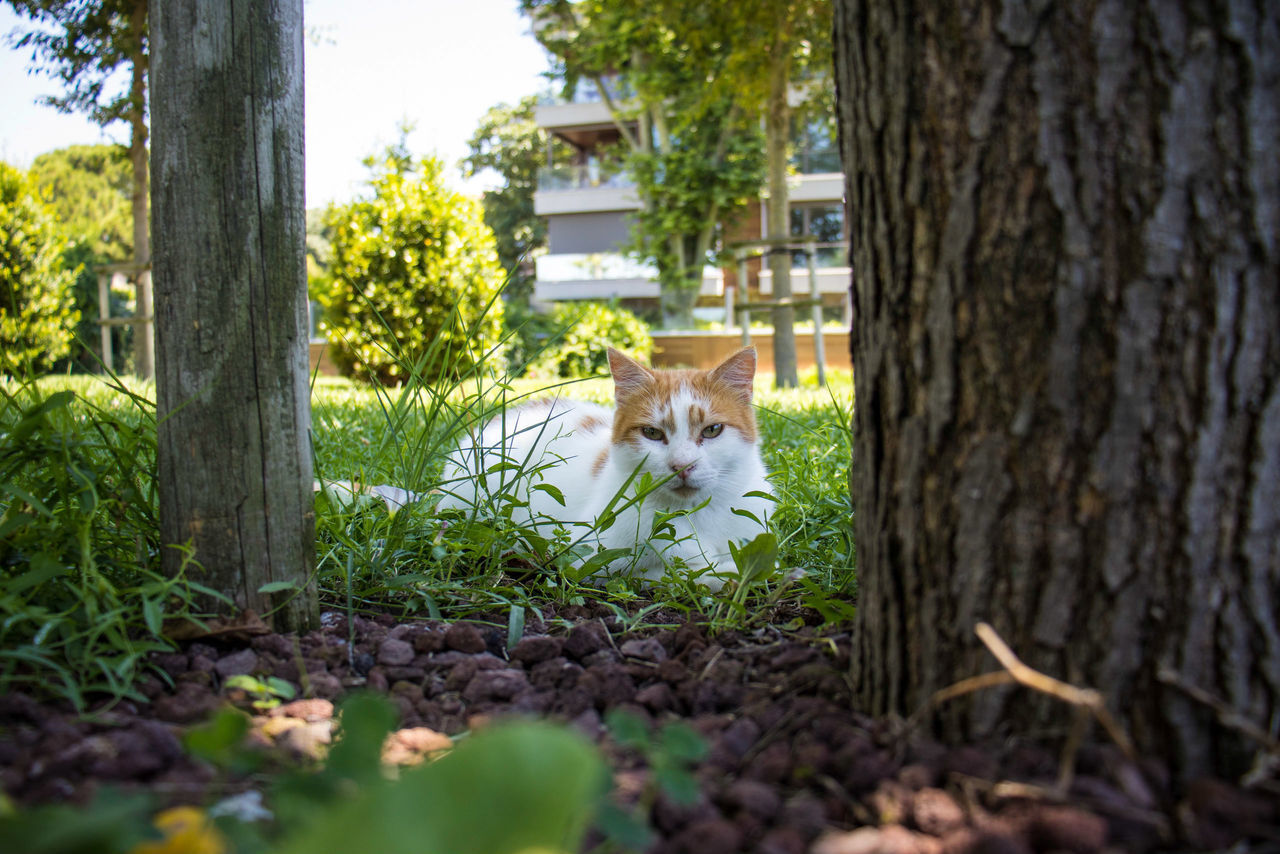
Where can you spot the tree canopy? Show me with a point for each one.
(509, 142)
(694, 152)
(88, 186)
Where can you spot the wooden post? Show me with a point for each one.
(231, 299)
(819, 348)
(144, 336)
(104, 315)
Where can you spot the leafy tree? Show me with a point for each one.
(88, 187)
(83, 45)
(414, 275)
(795, 46)
(509, 142)
(37, 308)
(692, 149)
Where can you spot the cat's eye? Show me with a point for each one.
(652, 433)
(712, 430)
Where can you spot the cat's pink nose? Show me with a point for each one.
(682, 469)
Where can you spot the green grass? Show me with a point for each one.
(82, 597)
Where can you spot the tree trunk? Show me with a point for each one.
(777, 134)
(234, 448)
(1066, 247)
(143, 336)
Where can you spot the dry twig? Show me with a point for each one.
(1086, 700)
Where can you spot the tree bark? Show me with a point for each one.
(144, 336)
(777, 124)
(234, 409)
(1065, 228)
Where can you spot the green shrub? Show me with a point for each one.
(578, 335)
(414, 277)
(37, 306)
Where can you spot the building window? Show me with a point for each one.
(824, 221)
(814, 149)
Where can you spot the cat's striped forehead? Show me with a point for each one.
(681, 403)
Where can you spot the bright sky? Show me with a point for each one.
(439, 64)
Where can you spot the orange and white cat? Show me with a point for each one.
(693, 432)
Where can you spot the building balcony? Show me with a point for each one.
(606, 275)
(583, 189)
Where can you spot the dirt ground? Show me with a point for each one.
(790, 767)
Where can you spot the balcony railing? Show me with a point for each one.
(587, 92)
(586, 177)
(816, 161)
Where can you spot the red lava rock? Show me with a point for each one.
(377, 680)
(971, 762)
(461, 674)
(586, 638)
(588, 723)
(781, 840)
(324, 684)
(173, 663)
(741, 736)
(573, 702)
(713, 836)
(657, 697)
(772, 764)
(395, 653)
(1219, 813)
(408, 673)
(428, 641)
(464, 637)
(967, 840)
(1061, 828)
(934, 811)
(363, 663)
(669, 816)
(916, 776)
(753, 797)
(237, 663)
(495, 685)
(142, 750)
(404, 632)
(673, 671)
(867, 770)
(555, 673)
(608, 684)
(644, 649)
(794, 655)
(191, 703)
(805, 813)
(533, 702)
(201, 664)
(280, 646)
(535, 649)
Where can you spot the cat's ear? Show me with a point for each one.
(629, 376)
(737, 372)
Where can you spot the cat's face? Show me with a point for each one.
(694, 427)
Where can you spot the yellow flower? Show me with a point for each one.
(187, 830)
